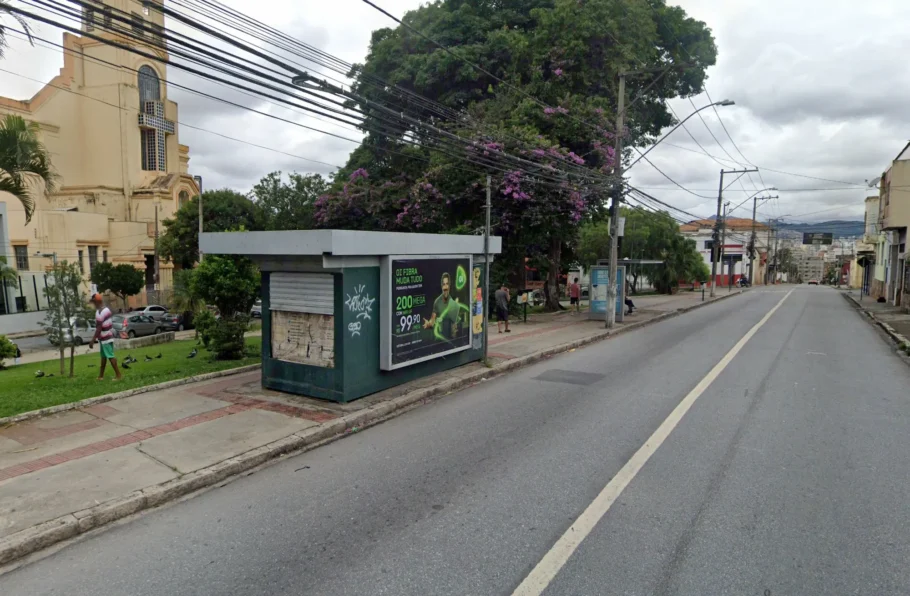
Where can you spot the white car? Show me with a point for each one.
(82, 333)
(153, 310)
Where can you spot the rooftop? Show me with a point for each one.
(342, 243)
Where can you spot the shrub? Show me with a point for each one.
(227, 338)
(205, 323)
(7, 349)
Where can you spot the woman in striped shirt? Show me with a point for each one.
(104, 335)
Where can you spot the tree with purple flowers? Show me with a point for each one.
(563, 53)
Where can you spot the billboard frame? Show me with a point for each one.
(386, 273)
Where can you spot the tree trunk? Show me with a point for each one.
(634, 283)
(62, 354)
(72, 357)
(551, 287)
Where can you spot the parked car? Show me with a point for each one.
(82, 333)
(136, 324)
(177, 322)
(813, 282)
(256, 311)
(153, 310)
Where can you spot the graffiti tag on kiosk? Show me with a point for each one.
(360, 303)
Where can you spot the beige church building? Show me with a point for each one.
(113, 136)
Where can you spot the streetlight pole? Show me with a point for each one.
(610, 318)
(716, 237)
(725, 102)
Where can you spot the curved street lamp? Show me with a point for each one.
(724, 102)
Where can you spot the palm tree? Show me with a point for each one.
(5, 11)
(24, 161)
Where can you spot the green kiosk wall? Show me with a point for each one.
(349, 307)
(357, 347)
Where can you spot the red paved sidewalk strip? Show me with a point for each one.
(238, 404)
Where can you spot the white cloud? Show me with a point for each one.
(820, 89)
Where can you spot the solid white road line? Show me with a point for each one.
(548, 567)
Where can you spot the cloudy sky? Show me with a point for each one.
(820, 88)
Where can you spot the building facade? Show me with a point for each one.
(113, 136)
(894, 219)
(733, 261)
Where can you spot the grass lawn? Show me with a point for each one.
(21, 391)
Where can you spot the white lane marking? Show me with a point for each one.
(548, 567)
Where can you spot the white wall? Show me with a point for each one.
(21, 322)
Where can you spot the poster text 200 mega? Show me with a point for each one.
(430, 307)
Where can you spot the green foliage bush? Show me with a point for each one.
(7, 349)
(205, 323)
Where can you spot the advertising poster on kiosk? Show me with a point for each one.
(431, 309)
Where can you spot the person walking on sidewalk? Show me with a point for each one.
(502, 308)
(575, 296)
(104, 335)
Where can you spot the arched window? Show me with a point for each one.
(149, 85)
(182, 199)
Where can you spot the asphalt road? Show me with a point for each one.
(33, 344)
(788, 476)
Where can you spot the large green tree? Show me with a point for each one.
(25, 163)
(566, 54)
(222, 210)
(122, 280)
(647, 235)
(289, 205)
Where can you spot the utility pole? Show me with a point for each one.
(485, 299)
(199, 243)
(723, 241)
(157, 278)
(755, 201)
(610, 320)
(720, 199)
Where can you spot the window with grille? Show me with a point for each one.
(21, 257)
(149, 151)
(149, 85)
(81, 261)
(104, 256)
(92, 258)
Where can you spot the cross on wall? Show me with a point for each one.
(155, 128)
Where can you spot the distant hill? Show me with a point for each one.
(839, 228)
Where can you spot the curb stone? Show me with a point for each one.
(902, 343)
(38, 537)
(100, 399)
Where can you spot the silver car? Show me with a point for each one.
(136, 324)
(82, 333)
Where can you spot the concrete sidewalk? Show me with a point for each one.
(67, 473)
(894, 320)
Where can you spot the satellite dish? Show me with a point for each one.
(874, 182)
